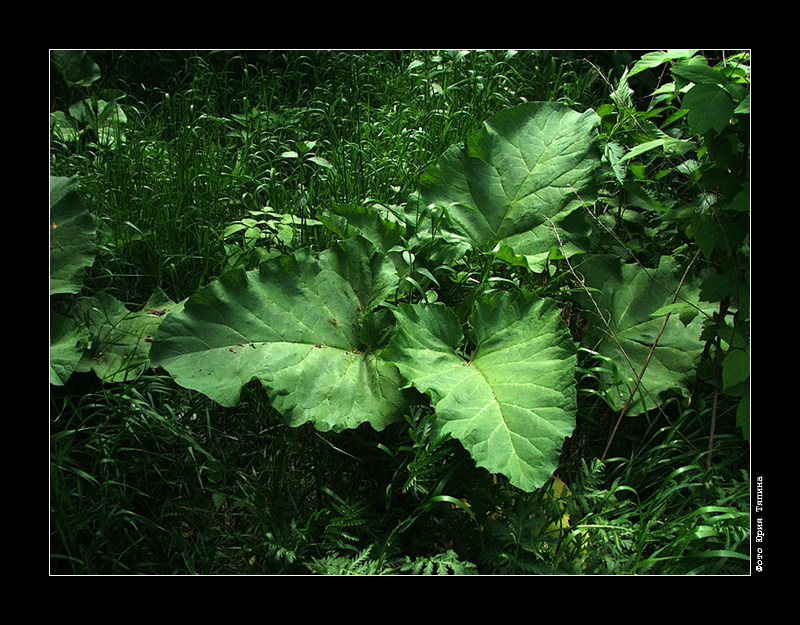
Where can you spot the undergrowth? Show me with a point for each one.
(218, 160)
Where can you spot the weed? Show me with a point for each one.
(242, 190)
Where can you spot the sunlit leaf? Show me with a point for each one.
(525, 171)
(512, 401)
(295, 325)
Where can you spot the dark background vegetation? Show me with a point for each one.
(150, 478)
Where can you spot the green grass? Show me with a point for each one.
(149, 478)
(665, 512)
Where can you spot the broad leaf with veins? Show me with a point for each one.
(120, 338)
(512, 404)
(528, 168)
(634, 301)
(295, 324)
(72, 237)
(67, 340)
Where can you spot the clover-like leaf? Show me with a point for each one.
(295, 325)
(528, 166)
(513, 402)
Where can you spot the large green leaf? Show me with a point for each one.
(513, 402)
(120, 338)
(295, 324)
(68, 339)
(634, 302)
(710, 107)
(76, 67)
(528, 165)
(375, 224)
(72, 237)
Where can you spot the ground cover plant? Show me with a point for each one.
(399, 312)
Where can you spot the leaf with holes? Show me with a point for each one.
(512, 402)
(528, 166)
(295, 324)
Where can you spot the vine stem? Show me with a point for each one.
(647, 361)
(723, 308)
(598, 310)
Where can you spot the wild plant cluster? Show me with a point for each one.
(206, 205)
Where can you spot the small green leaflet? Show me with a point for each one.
(654, 59)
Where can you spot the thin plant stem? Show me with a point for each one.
(597, 308)
(647, 360)
(717, 359)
